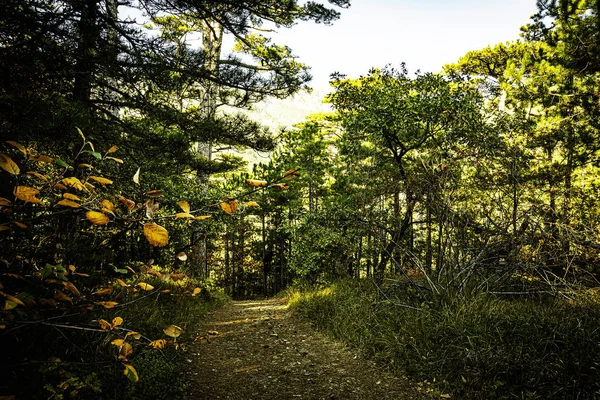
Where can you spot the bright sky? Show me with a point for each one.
(425, 34)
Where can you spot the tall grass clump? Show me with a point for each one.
(481, 347)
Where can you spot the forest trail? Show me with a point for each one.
(262, 352)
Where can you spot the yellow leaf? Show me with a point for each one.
(89, 186)
(88, 166)
(60, 186)
(136, 335)
(130, 372)
(12, 298)
(27, 194)
(117, 321)
(2, 326)
(229, 207)
(145, 286)
(20, 224)
(196, 291)
(81, 134)
(256, 183)
(101, 180)
(97, 218)
(38, 175)
(103, 292)
(183, 215)
(71, 196)
(172, 331)
(185, 207)
(252, 204)
(72, 288)
(155, 193)
(201, 217)
(136, 176)
(280, 186)
(41, 158)
(158, 344)
(18, 146)
(7, 164)
(182, 256)
(156, 234)
(291, 174)
(128, 203)
(118, 342)
(213, 333)
(73, 182)
(122, 283)
(108, 205)
(107, 304)
(9, 305)
(4, 202)
(4, 228)
(62, 297)
(176, 277)
(115, 159)
(68, 203)
(112, 150)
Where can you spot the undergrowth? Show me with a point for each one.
(483, 347)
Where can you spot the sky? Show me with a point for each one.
(425, 34)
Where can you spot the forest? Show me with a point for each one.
(445, 225)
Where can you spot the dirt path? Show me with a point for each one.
(261, 352)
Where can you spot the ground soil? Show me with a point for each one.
(258, 350)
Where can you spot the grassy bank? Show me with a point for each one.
(478, 348)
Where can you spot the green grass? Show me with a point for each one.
(484, 347)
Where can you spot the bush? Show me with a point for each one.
(480, 347)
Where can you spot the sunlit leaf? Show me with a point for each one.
(94, 153)
(157, 344)
(130, 372)
(118, 160)
(122, 283)
(7, 164)
(182, 256)
(291, 174)
(38, 175)
(173, 331)
(183, 215)
(18, 146)
(60, 186)
(252, 204)
(185, 207)
(136, 335)
(156, 234)
(89, 186)
(155, 193)
(196, 291)
(136, 176)
(256, 183)
(117, 342)
(27, 194)
(68, 203)
(71, 196)
(151, 208)
(229, 207)
(108, 205)
(107, 304)
(127, 203)
(103, 292)
(41, 158)
(202, 217)
(280, 186)
(73, 182)
(88, 166)
(81, 134)
(112, 149)
(145, 286)
(104, 325)
(213, 333)
(117, 321)
(97, 218)
(101, 180)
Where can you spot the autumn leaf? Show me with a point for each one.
(27, 194)
(173, 331)
(107, 304)
(4, 202)
(280, 186)
(112, 150)
(256, 183)
(183, 215)
(101, 180)
(88, 166)
(127, 203)
(291, 174)
(60, 186)
(213, 333)
(62, 297)
(151, 208)
(7, 164)
(74, 183)
(4, 228)
(196, 291)
(202, 217)
(81, 134)
(117, 342)
(182, 256)
(229, 207)
(9, 305)
(156, 234)
(97, 218)
(136, 176)
(12, 299)
(176, 277)
(89, 186)
(154, 193)
(68, 203)
(103, 292)
(185, 207)
(130, 372)
(41, 158)
(117, 321)
(104, 325)
(157, 344)
(136, 335)
(108, 205)
(115, 159)
(19, 224)
(18, 146)
(37, 175)
(252, 204)
(122, 283)
(145, 286)
(71, 197)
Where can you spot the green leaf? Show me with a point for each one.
(120, 270)
(95, 154)
(62, 163)
(47, 271)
